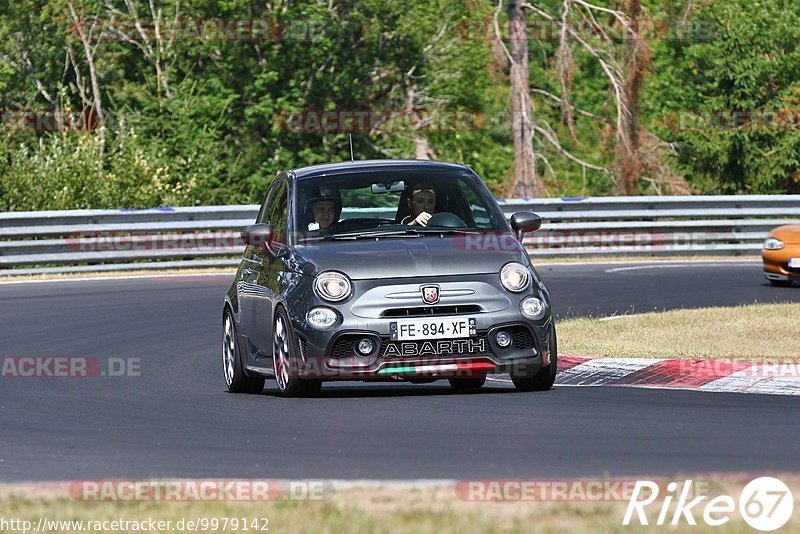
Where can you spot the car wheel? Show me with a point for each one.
(781, 283)
(467, 384)
(232, 365)
(545, 377)
(285, 361)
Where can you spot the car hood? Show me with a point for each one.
(401, 258)
(789, 234)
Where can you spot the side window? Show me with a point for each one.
(277, 213)
(262, 213)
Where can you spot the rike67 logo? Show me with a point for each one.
(765, 504)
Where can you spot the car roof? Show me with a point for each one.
(371, 165)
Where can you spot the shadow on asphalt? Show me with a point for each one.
(330, 391)
(795, 286)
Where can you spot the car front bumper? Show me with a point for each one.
(776, 263)
(332, 354)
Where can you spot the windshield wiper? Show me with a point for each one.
(406, 232)
(360, 235)
(434, 230)
(371, 234)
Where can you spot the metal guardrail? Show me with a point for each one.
(105, 240)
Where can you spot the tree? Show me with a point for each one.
(524, 179)
(737, 128)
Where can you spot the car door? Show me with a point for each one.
(267, 265)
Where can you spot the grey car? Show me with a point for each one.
(386, 270)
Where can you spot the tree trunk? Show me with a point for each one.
(524, 180)
(97, 98)
(628, 151)
(422, 149)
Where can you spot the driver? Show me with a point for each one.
(324, 213)
(422, 203)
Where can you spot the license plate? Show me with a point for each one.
(794, 263)
(439, 328)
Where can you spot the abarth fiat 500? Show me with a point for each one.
(386, 271)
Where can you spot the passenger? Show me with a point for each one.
(422, 203)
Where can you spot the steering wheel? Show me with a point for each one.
(445, 219)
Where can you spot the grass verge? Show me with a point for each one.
(757, 332)
(375, 509)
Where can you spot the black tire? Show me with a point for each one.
(467, 384)
(545, 377)
(285, 362)
(236, 378)
(781, 283)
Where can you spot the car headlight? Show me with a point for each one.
(333, 286)
(532, 307)
(321, 318)
(514, 277)
(773, 243)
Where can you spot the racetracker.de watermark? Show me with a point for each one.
(186, 29)
(556, 490)
(129, 241)
(46, 120)
(68, 367)
(595, 241)
(200, 490)
(610, 240)
(378, 120)
(608, 30)
(759, 368)
(751, 121)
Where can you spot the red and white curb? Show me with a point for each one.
(700, 375)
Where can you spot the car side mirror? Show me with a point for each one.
(258, 235)
(524, 222)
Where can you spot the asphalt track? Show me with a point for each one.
(176, 420)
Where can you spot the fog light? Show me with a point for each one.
(321, 318)
(503, 339)
(365, 346)
(532, 308)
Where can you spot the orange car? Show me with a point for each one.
(781, 255)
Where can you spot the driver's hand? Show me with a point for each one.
(422, 219)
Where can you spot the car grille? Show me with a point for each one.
(521, 337)
(426, 311)
(344, 346)
(303, 347)
(793, 270)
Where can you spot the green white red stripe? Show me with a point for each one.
(438, 368)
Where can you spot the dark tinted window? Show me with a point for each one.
(369, 200)
(277, 213)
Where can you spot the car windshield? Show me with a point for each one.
(390, 202)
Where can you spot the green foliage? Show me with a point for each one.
(726, 99)
(64, 172)
(199, 120)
